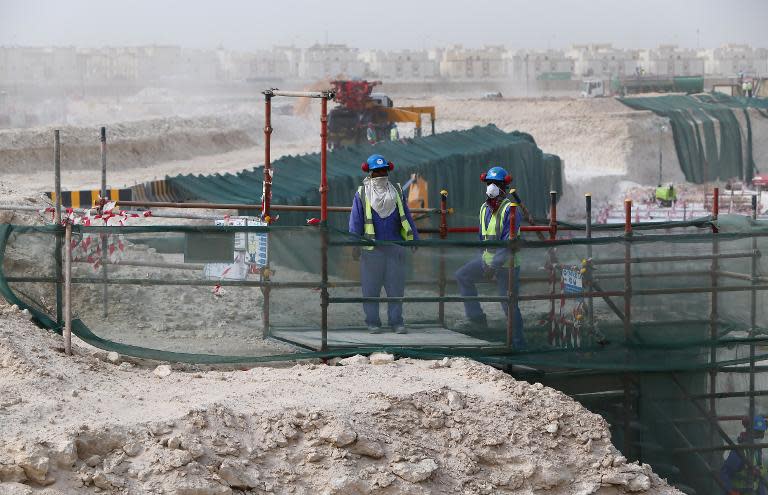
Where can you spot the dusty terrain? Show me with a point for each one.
(82, 425)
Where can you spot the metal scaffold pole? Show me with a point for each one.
(266, 198)
(57, 221)
(68, 289)
(713, 316)
(104, 237)
(441, 266)
(511, 282)
(324, 296)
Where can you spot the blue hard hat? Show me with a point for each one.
(496, 174)
(759, 423)
(375, 162)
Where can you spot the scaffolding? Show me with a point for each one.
(602, 324)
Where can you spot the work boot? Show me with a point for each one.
(472, 325)
(373, 329)
(400, 329)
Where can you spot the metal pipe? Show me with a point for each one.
(627, 270)
(324, 223)
(441, 262)
(57, 176)
(511, 285)
(149, 264)
(693, 257)
(68, 289)
(266, 199)
(553, 215)
(752, 330)
(300, 94)
(104, 253)
(589, 277)
(57, 221)
(245, 206)
(713, 311)
(324, 160)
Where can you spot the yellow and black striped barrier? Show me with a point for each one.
(89, 198)
(156, 190)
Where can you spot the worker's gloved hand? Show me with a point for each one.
(356, 253)
(489, 273)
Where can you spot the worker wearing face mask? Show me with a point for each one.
(492, 265)
(380, 212)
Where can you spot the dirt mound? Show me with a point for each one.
(82, 424)
(140, 143)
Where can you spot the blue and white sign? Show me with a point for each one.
(258, 244)
(572, 281)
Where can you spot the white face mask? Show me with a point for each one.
(492, 191)
(380, 183)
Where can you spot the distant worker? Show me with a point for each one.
(749, 88)
(394, 134)
(370, 133)
(380, 212)
(492, 264)
(735, 474)
(666, 195)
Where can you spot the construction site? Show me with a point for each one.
(192, 280)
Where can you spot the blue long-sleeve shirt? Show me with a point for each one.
(387, 229)
(502, 254)
(734, 464)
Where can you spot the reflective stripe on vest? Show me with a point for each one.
(492, 231)
(740, 480)
(369, 232)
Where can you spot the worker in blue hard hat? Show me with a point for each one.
(380, 212)
(735, 473)
(492, 264)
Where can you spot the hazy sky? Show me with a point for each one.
(251, 24)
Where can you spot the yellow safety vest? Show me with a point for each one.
(368, 232)
(492, 231)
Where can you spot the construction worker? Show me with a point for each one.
(735, 474)
(380, 212)
(749, 88)
(370, 133)
(492, 264)
(394, 134)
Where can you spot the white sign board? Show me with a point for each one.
(238, 270)
(572, 281)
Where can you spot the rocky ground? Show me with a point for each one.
(95, 422)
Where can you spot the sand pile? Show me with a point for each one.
(141, 143)
(83, 424)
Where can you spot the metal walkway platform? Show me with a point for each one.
(417, 336)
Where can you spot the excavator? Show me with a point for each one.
(362, 115)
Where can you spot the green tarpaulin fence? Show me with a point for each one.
(451, 161)
(709, 141)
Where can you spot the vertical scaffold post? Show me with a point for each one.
(443, 235)
(588, 285)
(713, 316)
(57, 221)
(627, 268)
(553, 215)
(752, 331)
(68, 289)
(627, 323)
(266, 198)
(555, 334)
(511, 279)
(103, 195)
(324, 219)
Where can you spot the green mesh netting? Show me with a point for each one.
(709, 141)
(656, 364)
